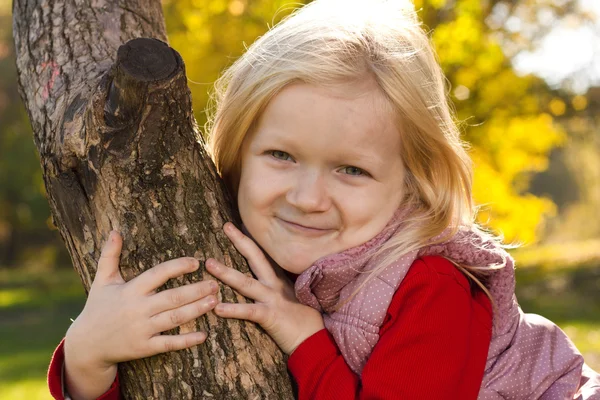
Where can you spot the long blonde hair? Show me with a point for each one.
(330, 42)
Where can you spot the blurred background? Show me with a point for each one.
(524, 76)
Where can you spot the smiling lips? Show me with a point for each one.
(304, 229)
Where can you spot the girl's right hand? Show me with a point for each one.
(122, 321)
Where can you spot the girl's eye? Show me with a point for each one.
(355, 171)
(280, 155)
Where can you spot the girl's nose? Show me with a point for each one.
(309, 193)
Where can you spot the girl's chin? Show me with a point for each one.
(295, 265)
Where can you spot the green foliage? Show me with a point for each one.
(35, 309)
(568, 296)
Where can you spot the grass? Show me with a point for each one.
(570, 297)
(560, 255)
(36, 308)
(35, 312)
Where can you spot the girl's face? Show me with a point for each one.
(321, 172)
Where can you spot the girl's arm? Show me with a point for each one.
(433, 344)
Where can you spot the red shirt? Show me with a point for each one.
(433, 344)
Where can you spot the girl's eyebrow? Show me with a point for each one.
(372, 161)
(275, 138)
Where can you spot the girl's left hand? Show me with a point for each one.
(276, 308)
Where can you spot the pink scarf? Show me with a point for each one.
(525, 346)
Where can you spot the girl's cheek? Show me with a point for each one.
(274, 179)
(262, 187)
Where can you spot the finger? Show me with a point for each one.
(174, 298)
(164, 343)
(173, 318)
(252, 312)
(108, 264)
(249, 249)
(244, 284)
(156, 276)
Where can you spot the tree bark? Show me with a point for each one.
(120, 149)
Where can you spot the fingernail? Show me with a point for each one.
(211, 301)
(229, 228)
(212, 264)
(213, 286)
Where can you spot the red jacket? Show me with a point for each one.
(433, 344)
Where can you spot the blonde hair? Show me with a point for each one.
(330, 42)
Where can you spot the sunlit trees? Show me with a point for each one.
(504, 116)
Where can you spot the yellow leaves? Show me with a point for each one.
(456, 40)
(472, 7)
(210, 34)
(212, 6)
(515, 215)
(196, 32)
(511, 142)
(464, 39)
(467, 76)
(529, 104)
(579, 103)
(437, 4)
(508, 152)
(485, 62)
(510, 137)
(490, 59)
(520, 143)
(236, 7)
(557, 107)
(503, 88)
(521, 222)
(5, 8)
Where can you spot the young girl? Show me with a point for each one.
(334, 133)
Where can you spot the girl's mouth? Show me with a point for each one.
(307, 230)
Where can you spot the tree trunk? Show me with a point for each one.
(120, 149)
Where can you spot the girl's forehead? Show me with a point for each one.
(339, 118)
(306, 102)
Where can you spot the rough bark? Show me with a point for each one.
(120, 149)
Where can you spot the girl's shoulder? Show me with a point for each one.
(434, 287)
(438, 274)
(438, 267)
